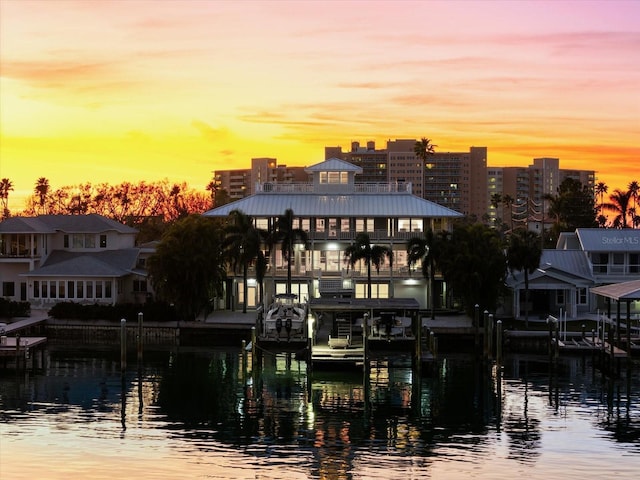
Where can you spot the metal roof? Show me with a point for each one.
(619, 291)
(108, 263)
(609, 239)
(368, 205)
(333, 165)
(571, 266)
(92, 223)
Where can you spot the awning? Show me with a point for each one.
(619, 291)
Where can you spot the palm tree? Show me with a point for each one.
(619, 205)
(5, 187)
(523, 254)
(423, 149)
(634, 189)
(212, 187)
(508, 201)
(285, 234)
(241, 244)
(601, 189)
(425, 249)
(362, 249)
(262, 264)
(42, 191)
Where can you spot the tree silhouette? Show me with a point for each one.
(5, 187)
(187, 266)
(619, 205)
(426, 250)
(42, 192)
(285, 234)
(523, 254)
(363, 250)
(242, 244)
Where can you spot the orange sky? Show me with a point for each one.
(108, 91)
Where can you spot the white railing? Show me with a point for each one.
(275, 187)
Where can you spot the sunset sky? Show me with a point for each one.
(107, 91)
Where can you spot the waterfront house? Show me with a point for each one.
(332, 208)
(584, 259)
(82, 258)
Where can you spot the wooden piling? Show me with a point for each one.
(123, 344)
(140, 336)
(499, 342)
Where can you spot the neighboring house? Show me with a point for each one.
(332, 209)
(82, 258)
(561, 282)
(586, 258)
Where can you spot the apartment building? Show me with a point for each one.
(527, 188)
(457, 180)
(240, 183)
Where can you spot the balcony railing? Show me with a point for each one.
(275, 187)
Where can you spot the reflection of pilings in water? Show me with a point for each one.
(140, 397)
(123, 401)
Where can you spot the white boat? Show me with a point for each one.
(285, 317)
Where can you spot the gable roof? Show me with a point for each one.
(333, 165)
(568, 266)
(112, 263)
(92, 223)
(608, 239)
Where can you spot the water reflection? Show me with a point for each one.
(220, 418)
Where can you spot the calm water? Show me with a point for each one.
(194, 414)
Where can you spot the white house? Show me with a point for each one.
(81, 258)
(332, 209)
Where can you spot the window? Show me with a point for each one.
(36, 289)
(61, 290)
(378, 290)
(80, 289)
(103, 241)
(139, 286)
(8, 289)
(89, 290)
(600, 262)
(89, 241)
(108, 290)
(77, 241)
(70, 288)
(66, 241)
(618, 263)
(52, 288)
(581, 296)
(98, 289)
(634, 263)
(559, 297)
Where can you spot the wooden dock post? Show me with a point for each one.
(140, 336)
(499, 342)
(123, 344)
(18, 351)
(490, 337)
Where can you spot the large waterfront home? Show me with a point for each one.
(332, 208)
(82, 258)
(586, 258)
